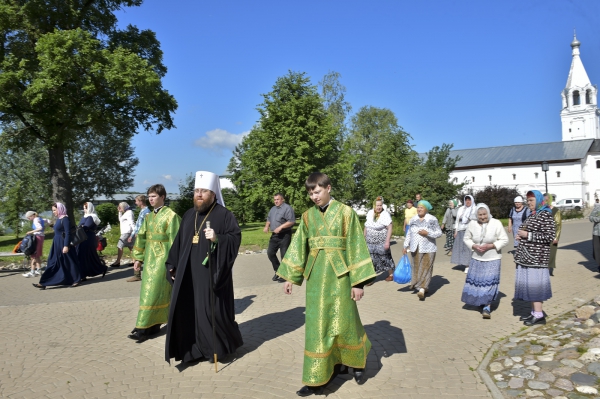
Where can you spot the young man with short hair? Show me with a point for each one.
(329, 251)
(140, 202)
(152, 245)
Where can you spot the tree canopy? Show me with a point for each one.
(67, 74)
(294, 137)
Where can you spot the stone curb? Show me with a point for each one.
(481, 369)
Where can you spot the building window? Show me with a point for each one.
(455, 179)
(514, 176)
(473, 179)
(490, 177)
(569, 130)
(588, 96)
(576, 99)
(597, 164)
(557, 174)
(536, 175)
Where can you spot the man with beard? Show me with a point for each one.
(151, 248)
(190, 328)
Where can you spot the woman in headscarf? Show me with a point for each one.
(448, 224)
(486, 237)
(595, 218)
(461, 254)
(409, 212)
(378, 231)
(532, 281)
(62, 267)
(423, 229)
(516, 217)
(89, 261)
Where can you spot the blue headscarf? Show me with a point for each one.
(540, 203)
(426, 204)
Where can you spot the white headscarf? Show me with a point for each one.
(210, 181)
(490, 217)
(468, 213)
(91, 212)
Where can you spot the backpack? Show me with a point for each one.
(28, 245)
(525, 215)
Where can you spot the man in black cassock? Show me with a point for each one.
(190, 330)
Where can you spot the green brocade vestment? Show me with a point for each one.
(152, 245)
(330, 252)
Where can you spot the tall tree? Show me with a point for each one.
(380, 153)
(294, 137)
(66, 70)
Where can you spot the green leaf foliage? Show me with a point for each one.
(67, 74)
(294, 137)
(499, 199)
(108, 213)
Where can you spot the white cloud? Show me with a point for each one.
(220, 139)
(167, 177)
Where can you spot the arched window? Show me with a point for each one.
(473, 179)
(514, 176)
(536, 175)
(588, 96)
(597, 164)
(576, 99)
(490, 177)
(557, 174)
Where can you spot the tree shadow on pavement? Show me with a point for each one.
(586, 250)
(242, 304)
(386, 341)
(495, 304)
(113, 273)
(259, 330)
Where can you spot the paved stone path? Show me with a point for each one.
(71, 342)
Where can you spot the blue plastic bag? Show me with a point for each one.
(403, 272)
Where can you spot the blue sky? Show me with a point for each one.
(471, 73)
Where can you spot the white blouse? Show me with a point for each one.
(415, 241)
(384, 220)
(489, 233)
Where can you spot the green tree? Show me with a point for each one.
(108, 213)
(66, 70)
(186, 195)
(431, 178)
(294, 137)
(499, 199)
(380, 153)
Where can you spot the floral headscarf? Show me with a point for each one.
(61, 210)
(375, 213)
(540, 204)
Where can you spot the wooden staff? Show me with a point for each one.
(212, 300)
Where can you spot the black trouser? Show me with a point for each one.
(279, 241)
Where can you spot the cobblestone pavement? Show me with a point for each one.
(71, 342)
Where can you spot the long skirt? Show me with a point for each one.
(461, 254)
(481, 287)
(422, 269)
(449, 239)
(532, 284)
(596, 249)
(382, 259)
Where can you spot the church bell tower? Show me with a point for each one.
(580, 115)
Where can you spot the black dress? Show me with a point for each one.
(89, 261)
(189, 330)
(62, 269)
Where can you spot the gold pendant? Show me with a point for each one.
(195, 239)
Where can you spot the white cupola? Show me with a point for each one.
(580, 114)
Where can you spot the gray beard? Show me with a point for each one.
(203, 208)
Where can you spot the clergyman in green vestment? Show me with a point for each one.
(329, 251)
(152, 245)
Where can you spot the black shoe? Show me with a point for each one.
(115, 264)
(281, 280)
(138, 335)
(541, 320)
(275, 277)
(41, 287)
(307, 391)
(525, 318)
(552, 271)
(360, 376)
(83, 279)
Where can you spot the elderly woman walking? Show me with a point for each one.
(461, 254)
(89, 261)
(378, 231)
(127, 224)
(532, 280)
(448, 224)
(486, 237)
(517, 215)
(423, 229)
(595, 218)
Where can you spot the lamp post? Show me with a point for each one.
(546, 168)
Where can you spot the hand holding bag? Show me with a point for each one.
(79, 236)
(403, 272)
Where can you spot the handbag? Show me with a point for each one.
(79, 236)
(403, 272)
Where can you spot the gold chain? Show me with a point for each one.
(196, 238)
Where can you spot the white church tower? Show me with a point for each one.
(580, 115)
